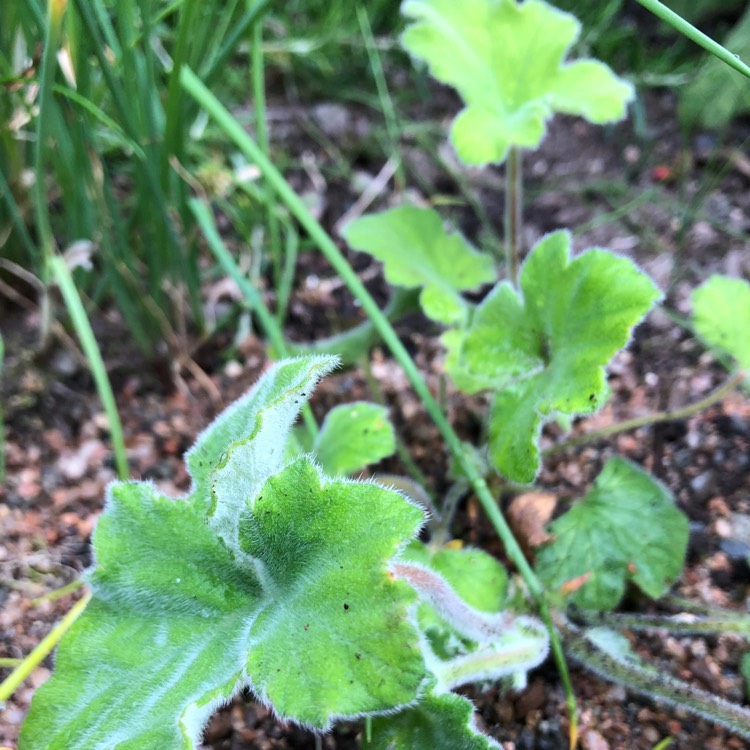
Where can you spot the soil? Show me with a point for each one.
(688, 216)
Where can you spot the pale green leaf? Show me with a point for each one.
(544, 350)
(507, 60)
(353, 436)
(721, 316)
(627, 528)
(416, 251)
(439, 722)
(278, 582)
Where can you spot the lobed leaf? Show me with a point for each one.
(544, 350)
(439, 722)
(353, 436)
(626, 528)
(506, 59)
(721, 316)
(416, 251)
(276, 581)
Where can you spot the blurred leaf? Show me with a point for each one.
(353, 436)
(417, 251)
(507, 60)
(626, 528)
(721, 316)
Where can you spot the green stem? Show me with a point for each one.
(513, 212)
(447, 510)
(683, 623)
(45, 236)
(173, 125)
(637, 676)
(90, 348)
(11, 683)
(386, 102)
(56, 594)
(267, 321)
(261, 129)
(688, 30)
(661, 416)
(322, 240)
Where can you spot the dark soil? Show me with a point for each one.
(692, 222)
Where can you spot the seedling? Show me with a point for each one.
(273, 577)
(539, 341)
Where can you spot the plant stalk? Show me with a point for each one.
(11, 683)
(261, 129)
(45, 236)
(701, 39)
(684, 623)
(644, 679)
(90, 348)
(657, 417)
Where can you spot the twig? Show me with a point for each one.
(660, 416)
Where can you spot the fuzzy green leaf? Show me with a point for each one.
(478, 578)
(626, 528)
(506, 59)
(353, 436)
(278, 395)
(416, 251)
(721, 316)
(438, 722)
(198, 597)
(544, 350)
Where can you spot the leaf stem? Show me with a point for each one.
(657, 417)
(261, 129)
(701, 39)
(659, 686)
(232, 128)
(513, 212)
(82, 325)
(42, 650)
(684, 623)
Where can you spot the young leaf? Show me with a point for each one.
(199, 597)
(416, 251)
(507, 61)
(721, 316)
(478, 579)
(544, 350)
(353, 436)
(626, 528)
(439, 722)
(278, 395)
